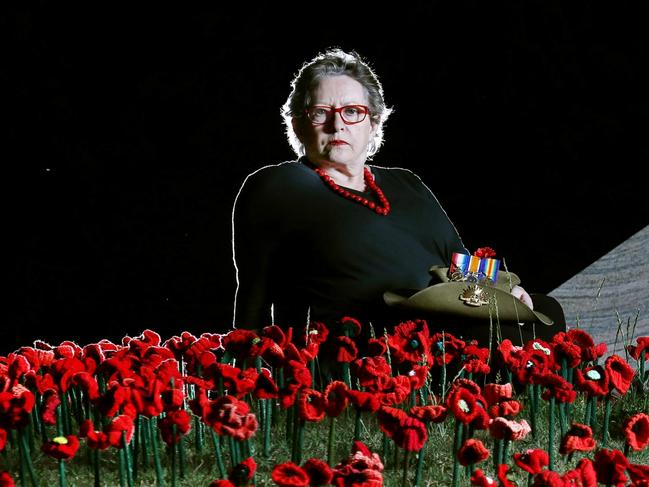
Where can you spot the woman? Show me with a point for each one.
(326, 235)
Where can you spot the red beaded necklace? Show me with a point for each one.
(382, 209)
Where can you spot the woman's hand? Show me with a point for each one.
(521, 294)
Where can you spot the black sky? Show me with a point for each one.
(131, 132)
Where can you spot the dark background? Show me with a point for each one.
(131, 132)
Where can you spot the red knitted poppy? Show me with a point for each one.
(636, 431)
(471, 452)
(289, 475)
(610, 466)
(578, 438)
(532, 461)
(620, 373)
(61, 447)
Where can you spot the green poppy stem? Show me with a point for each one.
(219, 455)
(153, 437)
(127, 459)
(173, 455)
(346, 374)
(626, 449)
(182, 458)
(498, 452)
(198, 435)
(136, 446)
(122, 469)
(298, 440)
(562, 418)
(420, 465)
(357, 425)
(551, 433)
(395, 460)
(505, 452)
(330, 441)
(607, 418)
(96, 467)
(268, 404)
(530, 393)
(457, 443)
(406, 460)
(62, 481)
(26, 457)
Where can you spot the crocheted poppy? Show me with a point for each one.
(610, 466)
(495, 393)
(407, 432)
(97, 440)
(589, 351)
(369, 369)
(349, 326)
(638, 473)
(61, 447)
(578, 438)
(592, 380)
(564, 348)
(557, 387)
(480, 479)
(181, 420)
(463, 405)
(476, 359)
(502, 471)
(620, 373)
(507, 409)
(236, 382)
(471, 452)
(445, 348)
(548, 478)
(6, 480)
(532, 461)
(584, 474)
(311, 405)
(300, 373)
(239, 343)
(485, 252)
(317, 333)
(15, 407)
(376, 347)
(636, 431)
(289, 475)
(120, 424)
(50, 402)
(229, 416)
(418, 376)
(429, 414)
(318, 471)
(3, 439)
(346, 349)
(410, 342)
(365, 401)
(243, 472)
(265, 386)
(222, 483)
(335, 397)
(503, 428)
(393, 390)
(642, 344)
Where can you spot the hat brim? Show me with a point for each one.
(444, 299)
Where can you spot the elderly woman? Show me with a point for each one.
(324, 236)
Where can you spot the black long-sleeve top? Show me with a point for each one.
(298, 245)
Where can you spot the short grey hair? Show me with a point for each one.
(334, 62)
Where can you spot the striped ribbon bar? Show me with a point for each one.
(470, 264)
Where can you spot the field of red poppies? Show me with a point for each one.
(303, 407)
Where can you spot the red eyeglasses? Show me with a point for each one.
(350, 114)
